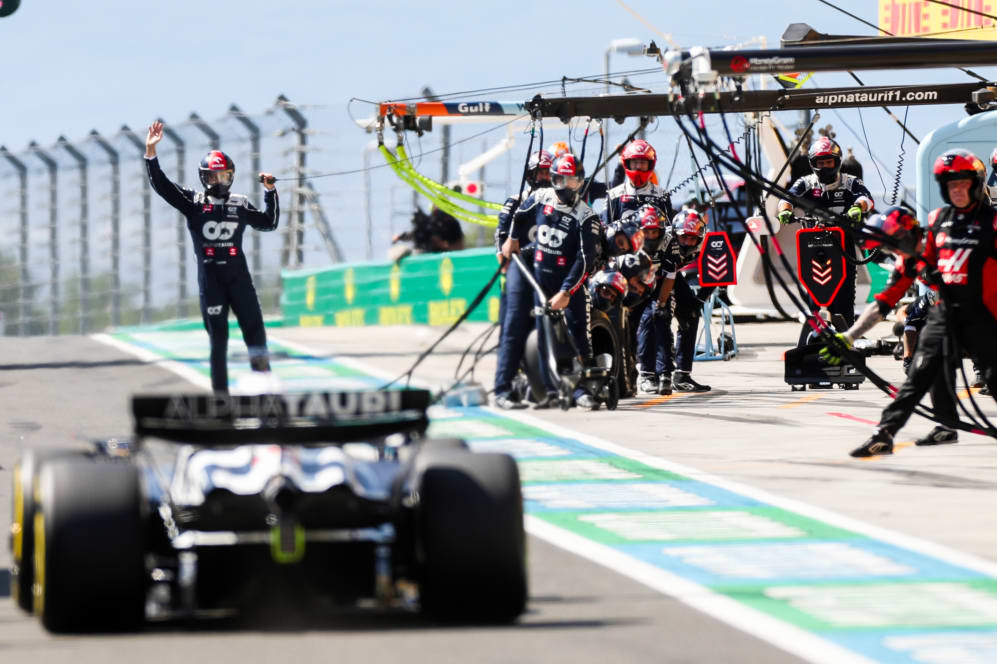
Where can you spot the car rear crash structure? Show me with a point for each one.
(222, 504)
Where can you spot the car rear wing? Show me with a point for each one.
(301, 418)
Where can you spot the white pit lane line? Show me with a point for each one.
(788, 637)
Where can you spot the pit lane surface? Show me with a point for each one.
(750, 430)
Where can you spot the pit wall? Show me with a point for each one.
(428, 289)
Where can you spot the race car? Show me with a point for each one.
(220, 505)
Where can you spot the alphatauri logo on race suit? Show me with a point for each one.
(551, 237)
(820, 260)
(717, 261)
(219, 230)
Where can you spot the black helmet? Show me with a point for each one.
(608, 288)
(627, 232)
(825, 148)
(895, 229)
(217, 171)
(632, 265)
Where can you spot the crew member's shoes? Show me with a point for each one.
(881, 442)
(907, 363)
(938, 436)
(505, 402)
(665, 384)
(586, 402)
(985, 391)
(648, 384)
(683, 382)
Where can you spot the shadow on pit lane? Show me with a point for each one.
(367, 621)
(4, 583)
(76, 364)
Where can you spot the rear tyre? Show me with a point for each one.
(470, 542)
(613, 394)
(89, 559)
(531, 365)
(22, 532)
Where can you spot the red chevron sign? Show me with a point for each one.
(821, 271)
(717, 261)
(820, 260)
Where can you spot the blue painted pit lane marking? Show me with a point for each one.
(820, 585)
(629, 495)
(928, 647)
(808, 560)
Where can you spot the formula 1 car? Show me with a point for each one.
(222, 504)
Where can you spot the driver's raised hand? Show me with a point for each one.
(152, 138)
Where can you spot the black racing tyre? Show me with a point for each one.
(613, 394)
(89, 558)
(605, 339)
(531, 364)
(22, 534)
(470, 541)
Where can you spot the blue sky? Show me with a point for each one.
(75, 66)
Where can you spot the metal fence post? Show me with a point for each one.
(293, 253)
(181, 149)
(24, 285)
(146, 229)
(53, 233)
(112, 156)
(254, 146)
(81, 162)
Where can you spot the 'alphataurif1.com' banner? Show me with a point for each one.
(433, 289)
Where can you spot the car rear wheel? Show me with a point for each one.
(470, 541)
(88, 557)
(22, 533)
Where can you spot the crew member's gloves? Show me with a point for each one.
(831, 353)
(786, 217)
(855, 213)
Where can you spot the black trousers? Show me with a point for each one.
(936, 360)
(221, 290)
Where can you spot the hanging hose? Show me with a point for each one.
(900, 164)
(406, 164)
(438, 201)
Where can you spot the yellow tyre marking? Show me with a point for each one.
(38, 590)
(802, 400)
(17, 528)
(662, 399)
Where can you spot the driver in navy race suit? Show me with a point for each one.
(844, 194)
(216, 220)
(638, 159)
(567, 237)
